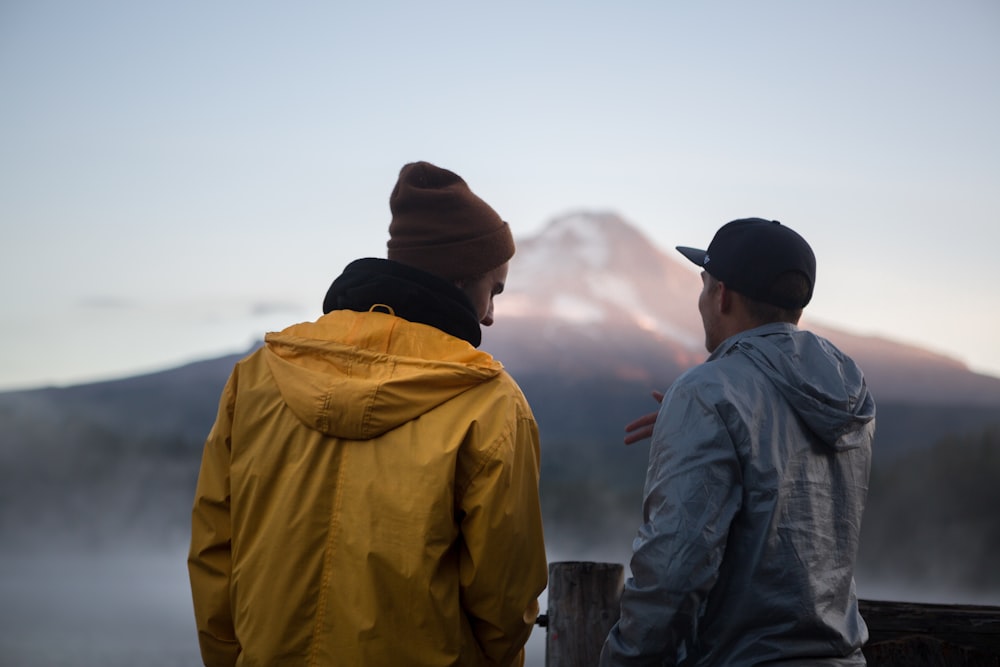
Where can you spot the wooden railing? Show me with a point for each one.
(583, 602)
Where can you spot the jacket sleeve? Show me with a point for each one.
(502, 564)
(693, 491)
(210, 556)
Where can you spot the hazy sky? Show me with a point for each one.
(178, 177)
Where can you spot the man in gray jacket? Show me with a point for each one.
(757, 478)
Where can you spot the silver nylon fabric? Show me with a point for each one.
(758, 474)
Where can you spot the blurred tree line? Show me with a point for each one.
(932, 515)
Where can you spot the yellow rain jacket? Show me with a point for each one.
(368, 495)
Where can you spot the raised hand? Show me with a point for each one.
(642, 428)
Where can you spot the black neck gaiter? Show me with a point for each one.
(414, 295)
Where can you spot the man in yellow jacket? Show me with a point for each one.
(368, 494)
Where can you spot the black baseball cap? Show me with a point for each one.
(749, 254)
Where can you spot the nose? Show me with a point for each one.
(488, 318)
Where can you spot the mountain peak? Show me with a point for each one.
(597, 271)
(590, 237)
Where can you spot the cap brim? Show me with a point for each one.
(696, 256)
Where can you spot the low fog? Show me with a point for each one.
(128, 604)
(102, 608)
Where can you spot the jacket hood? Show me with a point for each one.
(823, 385)
(357, 375)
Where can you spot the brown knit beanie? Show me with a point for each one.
(441, 227)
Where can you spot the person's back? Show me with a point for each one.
(757, 480)
(800, 455)
(369, 492)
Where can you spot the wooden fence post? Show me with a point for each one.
(583, 607)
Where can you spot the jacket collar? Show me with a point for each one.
(763, 330)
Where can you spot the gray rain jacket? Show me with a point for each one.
(757, 479)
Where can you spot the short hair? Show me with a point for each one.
(788, 287)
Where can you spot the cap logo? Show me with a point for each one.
(705, 261)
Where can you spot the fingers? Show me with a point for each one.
(638, 435)
(642, 428)
(645, 420)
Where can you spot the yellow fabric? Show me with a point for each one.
(368, 495)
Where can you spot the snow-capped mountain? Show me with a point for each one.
(591, 296)
(594, 269)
